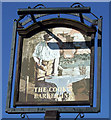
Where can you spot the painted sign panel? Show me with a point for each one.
(53, 71)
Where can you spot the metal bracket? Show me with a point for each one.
(23, 116)
(52, 115)
(81, 116)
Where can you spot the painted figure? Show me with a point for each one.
(46, 58)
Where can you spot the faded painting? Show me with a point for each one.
(55, 66)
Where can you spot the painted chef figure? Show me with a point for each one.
(46, 58)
